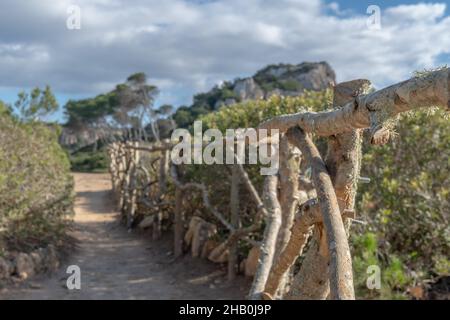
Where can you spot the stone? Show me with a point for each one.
(223, 258)
(24, 266)
(199, 232)
(51, 259)
(6, 268)
(147, 222)
(208, 248)
(248, 89)
(280, 80)
(315, 76)
(38, 260)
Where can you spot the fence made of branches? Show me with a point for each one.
(293, 212)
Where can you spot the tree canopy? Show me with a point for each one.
(129, 108)
(36, 104)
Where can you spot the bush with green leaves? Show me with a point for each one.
(393, 276)
(89, 161)
(36, 188)
(407, 203)
(250, 114)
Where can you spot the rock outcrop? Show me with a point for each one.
(280, 79)
(248, 89)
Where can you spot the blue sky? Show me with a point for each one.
(187, 46)
(361, 5)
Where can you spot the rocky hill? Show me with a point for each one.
(280, 79)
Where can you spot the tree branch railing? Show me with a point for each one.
(299, 213)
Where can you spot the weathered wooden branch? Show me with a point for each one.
(251, 189)
(154, 148)
(344, 154)
(308, 215)
(146, 173)
(289, 172)
(163, 170)
(235, 221)
(153, 204)
(132, 203)
(312, 280)
(343, 163)
(236, 234)
(243, 232)
(178, 224)
(205, 196)
(373, 110)
(273, 223)
(341, 273)
(289, 195)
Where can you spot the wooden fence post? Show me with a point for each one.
(340, 269)
(132, 186)
(289, 178)
(178, 223)
(273, 222)
(343, 161)
(163, 170)
(234, 219)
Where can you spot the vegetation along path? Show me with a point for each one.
(116, 264)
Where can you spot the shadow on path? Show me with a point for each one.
(116, 264)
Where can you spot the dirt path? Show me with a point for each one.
(116, 264)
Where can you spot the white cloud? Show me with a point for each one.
(419, 13)
(269, 34)
(188, 46)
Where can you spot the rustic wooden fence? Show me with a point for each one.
(299, 213)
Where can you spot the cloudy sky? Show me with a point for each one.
(187, 46)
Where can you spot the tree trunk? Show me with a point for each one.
(153, 126)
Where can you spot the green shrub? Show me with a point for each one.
(366, 253)
(89, 161)
(250, 114)
(35, 185)
(407, 203)
(290, 85)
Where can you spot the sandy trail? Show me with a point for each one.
(116, 264)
